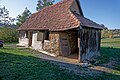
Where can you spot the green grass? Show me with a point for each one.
(110, 54)
(110, 51)
(114, 42)
(18, 64)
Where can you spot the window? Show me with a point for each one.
(40, 36)
(22, 34)
(43, 36)
(26, 34)
(46, 35)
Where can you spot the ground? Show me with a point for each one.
(27, 64)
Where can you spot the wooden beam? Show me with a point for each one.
(80, 44)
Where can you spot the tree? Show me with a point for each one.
(11, 20)
(8, 34)
(43, 3)
(5, 18)
(23, 17)
(4, 15)
(107, 33)
(110, 34)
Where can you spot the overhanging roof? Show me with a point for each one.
(57, 17)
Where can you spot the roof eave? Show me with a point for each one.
(88, 26)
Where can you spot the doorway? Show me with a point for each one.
(64, 44)
(69, 43)
(30, 38)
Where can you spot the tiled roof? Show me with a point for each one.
(57, 17)
(88, 23)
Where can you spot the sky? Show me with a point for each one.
(105, 12)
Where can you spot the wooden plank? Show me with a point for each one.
(40, 36)
(89, 44)
(30, 38)
(80, 46)
(64, 44)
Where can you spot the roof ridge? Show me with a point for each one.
(52, 5)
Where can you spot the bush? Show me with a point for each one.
(8, 34)
(106, 34)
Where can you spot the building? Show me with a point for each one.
(62, 29)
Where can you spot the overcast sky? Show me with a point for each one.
(105, 12)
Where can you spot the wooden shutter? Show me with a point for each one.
(40, 36)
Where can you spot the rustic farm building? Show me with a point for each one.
(62, 29)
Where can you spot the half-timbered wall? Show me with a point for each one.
(89, 44)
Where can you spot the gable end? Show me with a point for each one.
(75, 7)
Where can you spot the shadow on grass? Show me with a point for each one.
(111, 57)
(13, 66)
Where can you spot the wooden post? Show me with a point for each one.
(80, 44)
(99, 39)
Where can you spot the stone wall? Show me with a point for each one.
(52, 45)
(36, 44)
(23, 40)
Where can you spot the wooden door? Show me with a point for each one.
(30, 38)
(64, 44)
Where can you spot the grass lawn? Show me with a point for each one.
(110, 52)
(17, 64)
(114, 42)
